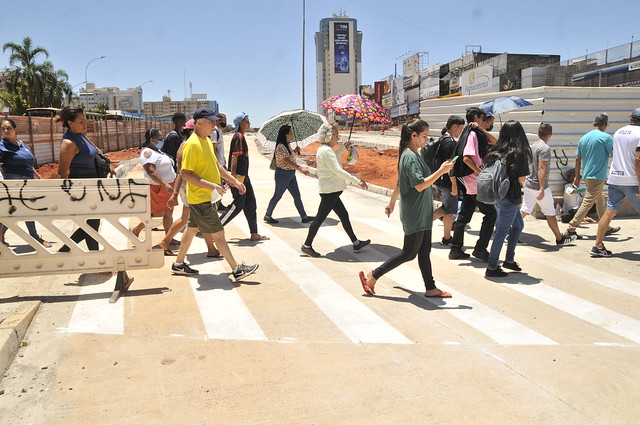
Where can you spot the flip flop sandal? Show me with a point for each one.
(262, 238)
(365, 285)
(442, 294)
(218, 255)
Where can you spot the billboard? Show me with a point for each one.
(477, 80)
(430, 82)
(379, 90)
(398, 91)
(341, 47)
(411, 71)
(510, 81)
(411, 95)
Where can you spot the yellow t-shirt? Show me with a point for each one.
(198, 156)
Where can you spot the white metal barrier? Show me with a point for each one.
(60, 206)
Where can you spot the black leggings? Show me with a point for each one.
(419, 244)
(242, 202)
(80, 235)
(329, 202)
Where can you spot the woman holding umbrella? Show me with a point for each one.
(285, 175)
(332, 181)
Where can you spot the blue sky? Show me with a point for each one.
(248, 55)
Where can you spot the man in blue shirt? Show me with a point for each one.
(592, 160)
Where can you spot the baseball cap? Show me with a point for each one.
(190, 125)
(601, 119)
(239, 117)
(636, 114)
(205, 113)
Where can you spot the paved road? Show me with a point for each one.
(299, 343)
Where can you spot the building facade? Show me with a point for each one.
(338, 57)
(167, 107)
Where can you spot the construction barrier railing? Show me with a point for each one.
(61, 207)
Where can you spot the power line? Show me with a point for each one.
(446, 37)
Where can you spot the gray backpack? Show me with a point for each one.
(493, 181)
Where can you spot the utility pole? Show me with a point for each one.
(303, 51)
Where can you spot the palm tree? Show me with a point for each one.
(31, 84)
(26, 76)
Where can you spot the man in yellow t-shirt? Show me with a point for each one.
(202, 179)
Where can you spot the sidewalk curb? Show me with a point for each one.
(12, 331)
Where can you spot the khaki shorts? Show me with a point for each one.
(205, 217)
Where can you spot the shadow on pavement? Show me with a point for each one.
(345, 254)
(84, 297)
(419, 300)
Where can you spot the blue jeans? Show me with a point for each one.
(509, 221)
(286, 180)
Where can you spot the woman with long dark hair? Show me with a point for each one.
(16, 162)
(77, 160)
(416, 209)
(285, 175)
(513, 146)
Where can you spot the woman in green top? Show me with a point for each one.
(416, 209)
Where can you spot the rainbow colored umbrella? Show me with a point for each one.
(358, 106)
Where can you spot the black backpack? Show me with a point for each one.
(493, 181)
(433, 154)
(460, 169)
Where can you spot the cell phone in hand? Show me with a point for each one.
(454, 158)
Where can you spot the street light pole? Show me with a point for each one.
(140, 91)
(303, 31)
(86, 80)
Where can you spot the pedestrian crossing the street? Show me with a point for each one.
(333, 289)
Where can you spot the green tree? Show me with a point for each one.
(102, 108)
(32, 84)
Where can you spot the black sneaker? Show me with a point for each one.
(572, 234)
(243, 271)
(183, 269)
(458, 254)
(309, 251)
(307, 219)
(270, 220)
(361, 244)
(446, 241)
(498, 272)
(566, 239)
(612, 230)
(511, 266)
(481, 254)
(600, 252)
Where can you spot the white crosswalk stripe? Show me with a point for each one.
(226, 316)
(93, 314)
(495, 325)
(223, 312)
(600, 316)
(354, 319)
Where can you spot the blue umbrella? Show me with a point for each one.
(503, 104)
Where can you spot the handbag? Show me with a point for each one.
(102, 162)
(103, 165)
(272, 166)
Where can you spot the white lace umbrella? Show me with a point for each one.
(305, 125)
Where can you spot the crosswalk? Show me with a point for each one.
(329, 292)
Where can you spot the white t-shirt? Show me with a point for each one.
(163, 163)
(623, 167)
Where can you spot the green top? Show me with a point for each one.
(416, 208)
